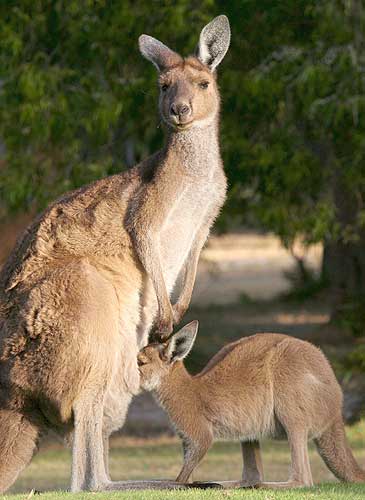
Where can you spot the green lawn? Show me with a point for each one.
(323, 492)
(133, 458)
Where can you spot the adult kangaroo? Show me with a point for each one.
(86, 281)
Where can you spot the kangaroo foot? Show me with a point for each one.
(154, 484)
(282, 485)
(223, 484)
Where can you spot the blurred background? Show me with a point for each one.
(78, 102)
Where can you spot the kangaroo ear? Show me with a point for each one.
(181, 342)
(158, 53)
(214, 42)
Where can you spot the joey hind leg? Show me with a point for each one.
(252, 474)
(300, 471)
(252, 464)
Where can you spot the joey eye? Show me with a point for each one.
(164, 87)
(142, 360)
(204, 85)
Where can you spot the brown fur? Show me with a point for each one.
(267, 385)
(86, 281)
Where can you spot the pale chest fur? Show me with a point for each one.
(196, 205)
(194, 208)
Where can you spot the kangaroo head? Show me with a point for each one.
(156, 360)
(188, 90)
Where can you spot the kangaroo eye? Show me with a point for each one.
(203, 85)
(164, 87)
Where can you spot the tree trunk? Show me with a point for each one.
(343, 264)
(343, 267)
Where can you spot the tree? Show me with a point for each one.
(77, 101)
(305, 145)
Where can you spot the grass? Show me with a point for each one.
(137, 458)
(323, 492)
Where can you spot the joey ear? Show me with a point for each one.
(181, 342)
(158, 53)
(214, 42)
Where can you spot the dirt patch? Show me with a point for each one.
(247, 264)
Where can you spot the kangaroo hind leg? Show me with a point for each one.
(252, 474)
(88, 466)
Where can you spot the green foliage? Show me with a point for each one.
(351, 315)
(306, 134)
(355, 360)
(78, 102)
(75, 91)
(303, 287)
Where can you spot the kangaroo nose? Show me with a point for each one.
(179, 109)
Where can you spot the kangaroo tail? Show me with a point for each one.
(333, 447)
(19, 435)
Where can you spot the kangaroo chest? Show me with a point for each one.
(194, 207)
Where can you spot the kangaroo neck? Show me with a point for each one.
(196, 149)
(178, 388)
